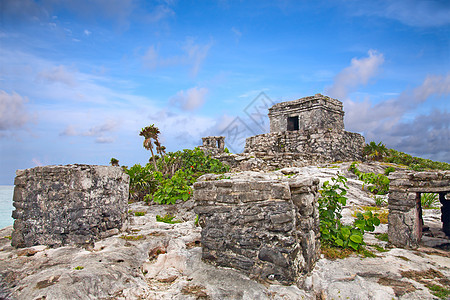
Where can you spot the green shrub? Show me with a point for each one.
(142, 181)
(429, 200)
(375, 151)
(114, 162)
(172, 189)
(139, 213)
(389, 170)
(414, 163)
(332, 231)
(380, 202)
(177, 172)
(377, 184)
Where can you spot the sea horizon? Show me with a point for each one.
(6, 207)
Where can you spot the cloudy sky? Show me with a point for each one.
(79, 79)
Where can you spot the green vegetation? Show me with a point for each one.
(114, 162)
(78, 268)
(132, 237)
(429, 200)
(434, 280)
(142, 181)
(375, 151)
(380, 213)
(8, 237)
(380, 202)
(439, 291)
(414, 163)
(196, 221)
(382, 237)
(168, 176)
(332, 231)
(377, 184)
(379, 248)
(331, 252)
(389, 170)
(169, 219)
(379, 152)
(139, 213)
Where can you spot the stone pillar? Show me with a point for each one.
(221, 142)
(68, 205)
(445, 213)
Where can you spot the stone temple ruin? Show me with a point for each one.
(213, 144)
(405, 212)
(309, 129)
(304, 131)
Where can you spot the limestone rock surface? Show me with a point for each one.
(155, 260)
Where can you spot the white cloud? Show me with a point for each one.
(193, 55)
(385, 121)
(237, 32)
(104, 140)
(418, 13)
(98, 130)
(359, 72)
(159, 13)
(151, 58)
(37, 162)
(87, 32)
(196, 54)
(190, 99)
(58, 74)
(12, 111)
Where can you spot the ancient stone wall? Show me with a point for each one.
(66, 205)
(405, 213)
(316, 145)
(312, 112)
(268, 228)
(213, 145)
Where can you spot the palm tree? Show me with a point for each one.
(114, 162)
(151, 133)
(375, 151)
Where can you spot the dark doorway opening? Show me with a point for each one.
(292, 123)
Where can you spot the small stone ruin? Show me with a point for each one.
(213, 145)
(264, 226)
(68, 205)
(309, 129)
(405, 211)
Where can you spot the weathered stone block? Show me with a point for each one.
(257, 234)
(67, 205)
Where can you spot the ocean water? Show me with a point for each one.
(6, 207)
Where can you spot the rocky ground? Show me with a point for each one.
(155, 260)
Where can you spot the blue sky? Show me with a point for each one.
(79, 79)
